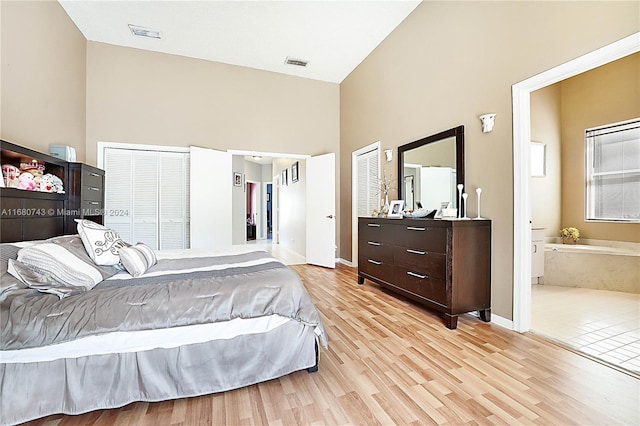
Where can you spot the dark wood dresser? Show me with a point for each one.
(86, 195)
(33, 215)
(444, 264)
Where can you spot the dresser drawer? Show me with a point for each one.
(377, 268)
(375, 250)
(421, 237)
(423, 285)
(92, 179)
(376, 231)
(93, 193)
(91, 208)
(422, 261)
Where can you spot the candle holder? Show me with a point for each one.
(478, 191)
(460, 188)
(464, 202)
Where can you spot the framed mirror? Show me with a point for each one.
(430, 170)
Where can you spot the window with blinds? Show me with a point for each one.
(613, 172)
(368, 178)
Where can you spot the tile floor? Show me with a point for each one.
(602, 324)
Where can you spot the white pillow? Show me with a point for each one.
(59, 266)
(137, 259)
(102, 244)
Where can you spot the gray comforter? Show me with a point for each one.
(173, 293)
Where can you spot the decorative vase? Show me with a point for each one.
(568, 240)
(385, 205)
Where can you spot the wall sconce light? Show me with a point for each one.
(487, 122)
(389, 154)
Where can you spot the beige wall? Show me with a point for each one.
(143, 97)
(449, 62)
(546, 192)
(43, 73)
(146, 97)
(608, 94)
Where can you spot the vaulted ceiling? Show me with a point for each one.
(333, 36)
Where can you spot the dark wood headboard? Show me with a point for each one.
(31, 215)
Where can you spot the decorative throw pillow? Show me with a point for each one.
(137, 259)
(60, 266)
(102, 244)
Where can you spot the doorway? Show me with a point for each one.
(251, 208)
(521, 93)
(269, 211)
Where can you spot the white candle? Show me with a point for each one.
(478, 191)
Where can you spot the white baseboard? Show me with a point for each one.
(502, 322)
(345, 262)
(497, 320)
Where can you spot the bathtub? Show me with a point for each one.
(593, 266)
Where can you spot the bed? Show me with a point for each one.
(195, 322)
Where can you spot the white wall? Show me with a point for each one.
(293, 214)
(239, 222)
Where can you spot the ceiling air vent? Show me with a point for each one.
(144, 32)
(296, 62)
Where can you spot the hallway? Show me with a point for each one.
(283, 254)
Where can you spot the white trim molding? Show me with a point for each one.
(354, 195)
(134, 146)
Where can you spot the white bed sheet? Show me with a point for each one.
(135, 341)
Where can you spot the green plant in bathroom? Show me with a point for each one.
(570, 233)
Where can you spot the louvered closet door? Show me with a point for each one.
(174, 200)
(118, 165)
(368, 188)
(145, 198)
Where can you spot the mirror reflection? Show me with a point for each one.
(431, 168)
(430, 174)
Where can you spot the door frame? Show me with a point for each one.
(521, 95)
(263, 220)
(259, 207)
(354, 194)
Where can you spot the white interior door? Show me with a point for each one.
(321, 210)
(210, 195)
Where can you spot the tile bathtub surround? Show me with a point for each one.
(602, 324)
(566, 266)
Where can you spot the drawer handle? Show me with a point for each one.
(421, 253)
(94, 174)
(373, 243)
(414, 228)
(413, 274)
(93, 188)
(374, 225)
(375, 262)
(93, 202)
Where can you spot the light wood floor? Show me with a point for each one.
(393, 362)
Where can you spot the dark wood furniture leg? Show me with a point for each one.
(485, 315)
(451, 321)
(360, 280)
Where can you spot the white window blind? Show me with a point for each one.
(368, 182)
(613, 172)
